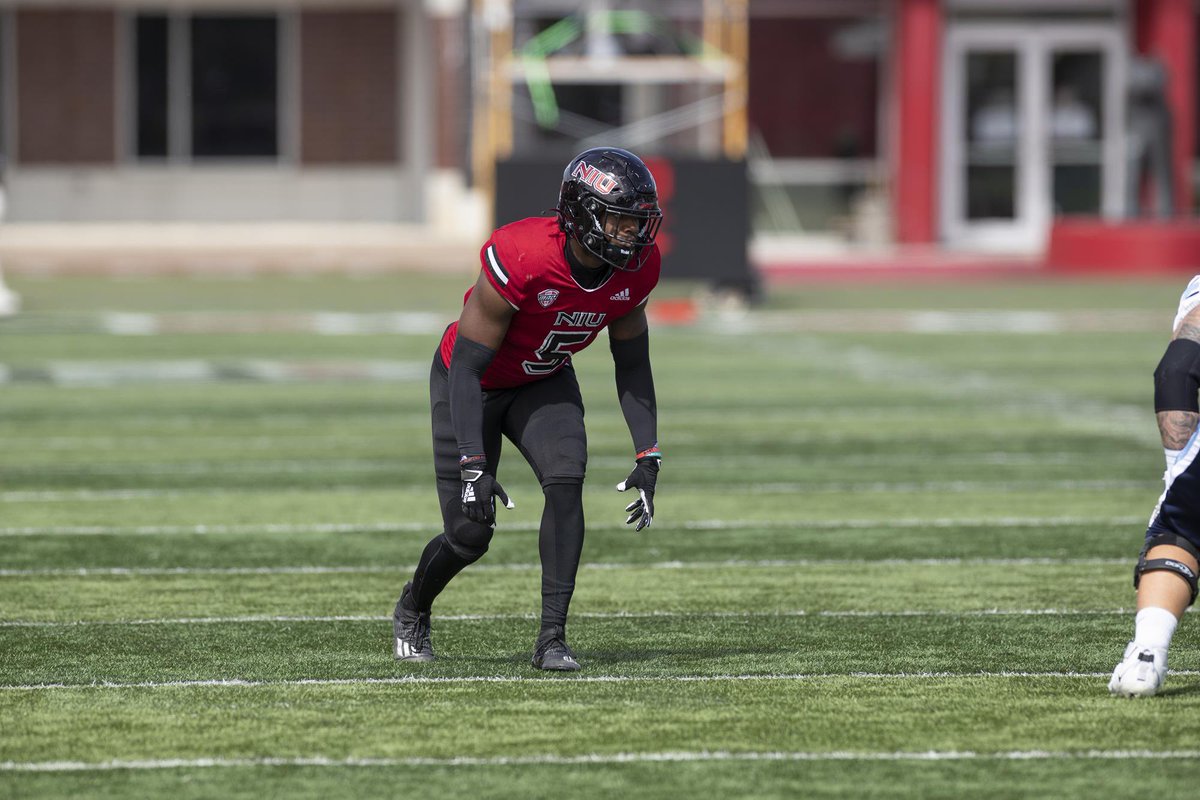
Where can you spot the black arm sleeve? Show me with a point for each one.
(635, 388)
(468, 362)
(1177, 377)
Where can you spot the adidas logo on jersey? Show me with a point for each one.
(621, 295)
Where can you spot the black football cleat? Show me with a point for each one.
(551, 652)
(411, 630)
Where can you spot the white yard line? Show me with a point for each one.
(290, 429)
(1076, 412)
(321, 323)
(369, 569)
(550, 759)
(175, 439)
(122, 495)
(240, 530)
(240, 467)
(235, 620)
(921, 487)
(402, 680)
(401, 424)
(342, 323)
(187, 371)
(292, 529)
(375, 466)
(936, 321)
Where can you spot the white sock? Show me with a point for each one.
(1154, 628)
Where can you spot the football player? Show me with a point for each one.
(547, 288)
(1165, 575)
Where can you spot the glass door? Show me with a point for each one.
(1077, 132)
(992, 124)
(1031, 129)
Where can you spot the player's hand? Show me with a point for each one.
(643, 478)
(480, 490)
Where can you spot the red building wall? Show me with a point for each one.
(821, 104)
(349, 76)
(66, 86)
(916, 74)
(449, 98)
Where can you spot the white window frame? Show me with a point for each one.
(1033, 45)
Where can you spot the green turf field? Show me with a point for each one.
(891, 555)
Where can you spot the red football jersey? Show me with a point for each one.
(555, 316)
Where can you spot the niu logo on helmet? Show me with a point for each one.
(600, 181)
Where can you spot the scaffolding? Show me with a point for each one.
(715, 50)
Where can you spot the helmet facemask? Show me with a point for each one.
(618, 236)
(608, 203)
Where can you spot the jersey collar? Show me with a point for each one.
(583, 276)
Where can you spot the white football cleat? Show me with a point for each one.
(1141, 672)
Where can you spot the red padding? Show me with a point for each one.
(1086, 245)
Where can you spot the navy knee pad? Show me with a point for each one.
(1145, 565)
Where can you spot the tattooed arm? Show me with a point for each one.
(1177, 426)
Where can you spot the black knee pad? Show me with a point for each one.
(469, 540)
(1145, 565)
(569, 481)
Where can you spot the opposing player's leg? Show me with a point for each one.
(545, 422)
(1165, 577)
(461, 541)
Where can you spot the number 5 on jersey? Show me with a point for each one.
(557, 348)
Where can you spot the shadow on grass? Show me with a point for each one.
(603, 661)
(1180, 691)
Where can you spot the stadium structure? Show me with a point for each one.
(951, 126)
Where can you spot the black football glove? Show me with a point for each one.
(479, 490)
(643, 478)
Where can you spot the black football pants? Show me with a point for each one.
(544, 420)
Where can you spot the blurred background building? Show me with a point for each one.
(977, 126)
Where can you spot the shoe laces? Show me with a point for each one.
(415, 627)
(556, 640)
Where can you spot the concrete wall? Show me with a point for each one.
(216, 194)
